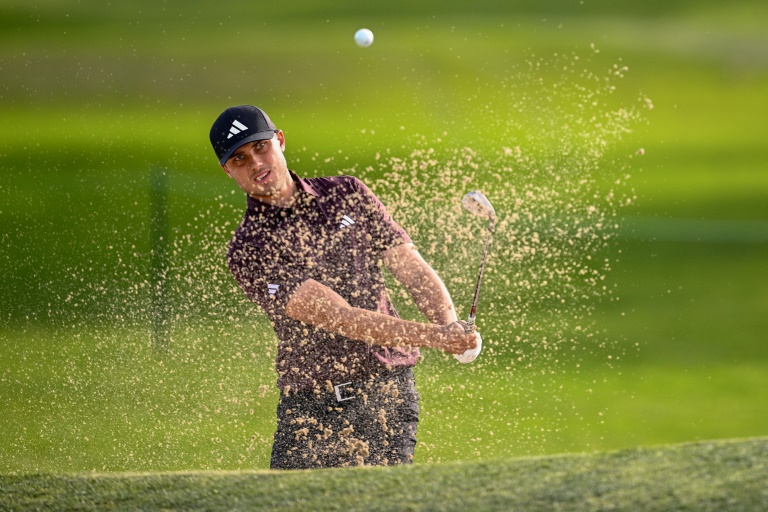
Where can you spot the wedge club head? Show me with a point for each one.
(477, 204)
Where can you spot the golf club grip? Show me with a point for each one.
(470, 324)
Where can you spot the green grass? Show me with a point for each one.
(696, 477)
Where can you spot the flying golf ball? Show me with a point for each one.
(364, 38)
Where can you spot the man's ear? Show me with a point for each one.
(226, 170)
(281, 137)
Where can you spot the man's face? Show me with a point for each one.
(260, 170)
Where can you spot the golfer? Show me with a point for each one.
(309, 253)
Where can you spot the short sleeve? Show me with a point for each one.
(385, 232)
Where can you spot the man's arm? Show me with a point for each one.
(316, 304)
(422, 282)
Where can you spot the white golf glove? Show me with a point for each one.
(471, 354)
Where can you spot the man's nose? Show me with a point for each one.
(254, 160)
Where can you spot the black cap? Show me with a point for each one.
(237, 126)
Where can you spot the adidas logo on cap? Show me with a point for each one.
(236, 128)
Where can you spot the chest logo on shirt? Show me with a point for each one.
(346, 221)
(273, 288)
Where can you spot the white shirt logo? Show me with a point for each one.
(346, 221)
(236, 128)
(273, 288)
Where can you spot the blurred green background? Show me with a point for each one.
(97, 98)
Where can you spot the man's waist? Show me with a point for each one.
(351, 388)
(312, 365)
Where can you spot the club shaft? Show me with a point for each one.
(473, 309)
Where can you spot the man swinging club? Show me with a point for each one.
(308, 252)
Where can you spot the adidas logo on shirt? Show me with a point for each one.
(273, 288)
(236, 128)
(346, 221)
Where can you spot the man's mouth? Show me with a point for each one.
(262, 176)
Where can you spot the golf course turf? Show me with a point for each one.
(697, 477)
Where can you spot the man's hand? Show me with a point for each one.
(454, 339)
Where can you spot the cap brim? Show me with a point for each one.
(256, 136)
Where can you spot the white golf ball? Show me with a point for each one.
(364, 38)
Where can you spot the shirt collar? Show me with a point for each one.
(260, 207)
(304, 184)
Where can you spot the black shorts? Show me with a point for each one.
(372, 423)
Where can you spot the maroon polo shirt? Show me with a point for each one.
(335, 234)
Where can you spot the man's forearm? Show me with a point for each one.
(381, 329)
(422, 282)
(315, 304)
(431, 296)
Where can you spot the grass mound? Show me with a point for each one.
(720, 475)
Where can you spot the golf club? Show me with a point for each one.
(477, 204)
